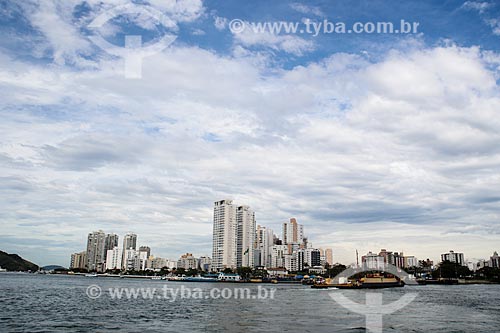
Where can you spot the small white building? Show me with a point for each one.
(278, 272)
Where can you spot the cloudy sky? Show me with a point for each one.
(370, 140)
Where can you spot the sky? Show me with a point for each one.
(370, 140)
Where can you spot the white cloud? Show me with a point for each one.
(352, 148)
(305, 9)
(63, 31)
(479, 6)
(198, 32)
(51, 18)
(482, 8)
(495, 25)
(280, 42)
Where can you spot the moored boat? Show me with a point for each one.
(367, 282)
(200, 279)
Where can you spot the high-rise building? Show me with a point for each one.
(146, 249)
(205, 263)
(495, 260)
(143, 259)
(245, 242)
(129, 260)
(130, 241)
(277, 255)
(294, 262)
(78, 260)
(96, 251)
(293, 233)
(111, 241)
(373, 261)
(410, 261)
(114, 258)
(399, 259)
(388, 256)
(264, 242)
(224, 247)
(315, 258)
(312, 257)
(157, 263)
(187, 261)
(134, 263)
(453, 256)
(329, 256)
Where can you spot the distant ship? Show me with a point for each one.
(368, 282)
(200, 279)
(2, 269)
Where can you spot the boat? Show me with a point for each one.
(2, 269)
(175, 278)
(200, 279)
(438, 281)
(367, 282)
(255, 280)
(222, 277)
(91, 275)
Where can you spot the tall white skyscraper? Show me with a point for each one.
(264, 242)
(245, 219)
(224, 245)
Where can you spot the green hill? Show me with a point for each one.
(13, 262)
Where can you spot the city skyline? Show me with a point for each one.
(230, 214)
(294, 229)
(290, 255)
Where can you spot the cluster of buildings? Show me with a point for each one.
(383, 258)
(104, 253)
(239, 242)
(476, 264)
(379, 261)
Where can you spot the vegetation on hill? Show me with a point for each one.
(13, 262)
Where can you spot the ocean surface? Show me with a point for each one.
(50, 303)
